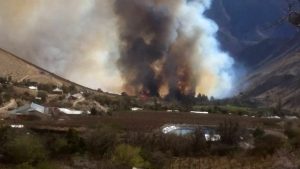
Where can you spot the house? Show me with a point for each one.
(30, 108)
(30, 111)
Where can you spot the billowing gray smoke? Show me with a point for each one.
(157, 47)
(148, 36)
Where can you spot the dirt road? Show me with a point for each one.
(11, 104)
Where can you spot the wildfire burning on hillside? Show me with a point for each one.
(162, 48)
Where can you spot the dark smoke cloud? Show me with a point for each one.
(148, 34)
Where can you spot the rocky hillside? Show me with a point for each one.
(248, 28)
(19, 70)
(270, 53)
(278, 81)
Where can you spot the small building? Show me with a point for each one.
(71, 112)
(33, 107)
(30, 111)
(58, 91)
(33, 87)
(76, 96)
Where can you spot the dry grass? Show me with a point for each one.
(19, 69)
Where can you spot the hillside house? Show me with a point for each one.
(30, 111)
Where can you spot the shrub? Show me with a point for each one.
(41, 165)
(157, 159)
(177, 145)
(24, 148)
(76, 143)
(127, 155)
(267, 144)
(45, 165)
(258, 132)
(58, 146)
(293, 133)
(24, 166)
(199, 144)
(102, 141)
(229, 132)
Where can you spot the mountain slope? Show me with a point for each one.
(245, 29)
(19, 69)
(278, 81)
(271, 55)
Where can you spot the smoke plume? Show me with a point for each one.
(158, 47)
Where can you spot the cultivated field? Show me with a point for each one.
(147, 121)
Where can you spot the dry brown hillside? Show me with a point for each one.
(19, 69)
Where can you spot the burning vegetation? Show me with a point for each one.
(159, 48)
